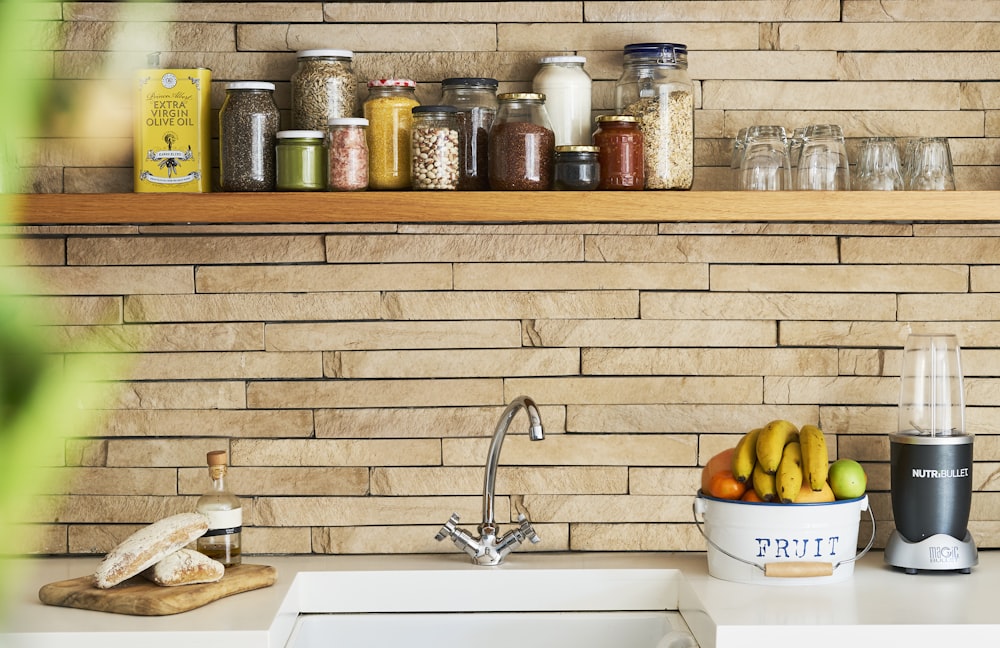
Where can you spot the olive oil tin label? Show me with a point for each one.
(173, 130)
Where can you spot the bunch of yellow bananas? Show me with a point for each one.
(783, 463)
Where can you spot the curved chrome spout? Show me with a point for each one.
(487, 549)
(535, 432)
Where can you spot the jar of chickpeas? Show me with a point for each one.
(388, 111)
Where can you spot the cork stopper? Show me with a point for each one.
(217, 458)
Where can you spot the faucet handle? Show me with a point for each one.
(526, 529)
(449, 529)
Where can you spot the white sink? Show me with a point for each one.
(493, 630)
(490, 607)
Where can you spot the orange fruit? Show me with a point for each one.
(751, 496)
(721, 461)
(724, 486)
(809, 496)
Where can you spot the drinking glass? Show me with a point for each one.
(736, 160)
(765, 165)
(929, 166)
(823, 162)
(795, 150)
(878, 165)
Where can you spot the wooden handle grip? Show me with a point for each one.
(798, 569)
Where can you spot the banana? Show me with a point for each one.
(771, 443)
(745, 456)
(789, 476)
(764, 484)
(815, 456)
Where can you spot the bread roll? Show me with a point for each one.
(184, 567)
(148, 546)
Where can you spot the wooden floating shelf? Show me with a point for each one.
(508, 207)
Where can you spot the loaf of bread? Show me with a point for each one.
(148, 546)
(185, 567)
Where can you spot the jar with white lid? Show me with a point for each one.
(323, 86)
(300, 160)
(656, 89)
(248, 125)
(347, 151)
(567, 88)
(434, 148)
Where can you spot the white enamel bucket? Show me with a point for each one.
(781, 544)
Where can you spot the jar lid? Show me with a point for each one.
(434, 109)
(392, 83)
(477, 82)
(347, 121)
(317, 53)
(663, 52)
(562, 59)
(250, 85)
(521, 96)
(300, 134)
(616, 118)
(577, 148)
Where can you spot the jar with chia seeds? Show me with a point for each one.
(434, 148)
(388, 110)
(248, 125)
(576, 168)
(347, 150)
(323, 86)
(476, 100)
(656, 89)
(300, 160)
(620, 142)
(522, 144)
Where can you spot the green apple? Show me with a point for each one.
(847, 479)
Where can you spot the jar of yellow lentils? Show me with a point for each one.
(388, 111)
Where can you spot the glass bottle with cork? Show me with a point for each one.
(225, 515)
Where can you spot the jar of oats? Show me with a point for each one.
(388, 110)
(656, 89)
(434, 148)
(323, 87)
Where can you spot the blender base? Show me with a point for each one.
(939, 552)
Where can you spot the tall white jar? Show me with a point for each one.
(567, 89)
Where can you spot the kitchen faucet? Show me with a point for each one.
(487, 549)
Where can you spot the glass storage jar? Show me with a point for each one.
(388, 110)
(620, 142)
(655, 88)
(576, 168)
(522, 144)
(248, 124)
(323, 86)
(300, 160)
(434, 148)
(476, 100)
(567, 89)
(347, 151)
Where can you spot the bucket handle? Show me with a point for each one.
(787, 568)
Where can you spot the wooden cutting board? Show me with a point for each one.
(141, 597)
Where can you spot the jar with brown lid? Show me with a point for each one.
(621, 157)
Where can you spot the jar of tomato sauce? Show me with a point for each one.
(619, 141)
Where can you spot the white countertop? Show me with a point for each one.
(878, 606)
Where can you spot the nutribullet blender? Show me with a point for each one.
(931, 462)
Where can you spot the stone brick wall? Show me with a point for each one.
(356, 372)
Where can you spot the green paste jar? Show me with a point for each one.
(300, 160)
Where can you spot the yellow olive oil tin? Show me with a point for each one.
(173, 131)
